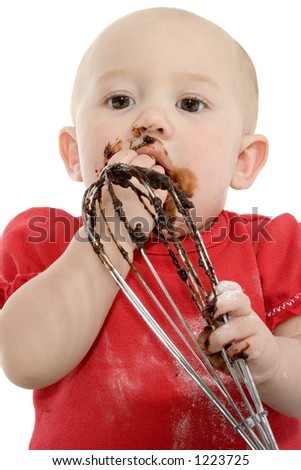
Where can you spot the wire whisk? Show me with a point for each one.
(248, 417)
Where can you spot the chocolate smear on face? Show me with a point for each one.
(111, 149)
(136, 132)
(186, 180)
(147, 139)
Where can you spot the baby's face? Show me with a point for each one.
(174, 81)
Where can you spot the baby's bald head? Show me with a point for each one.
(159, 20)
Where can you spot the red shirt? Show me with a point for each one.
(129, 392)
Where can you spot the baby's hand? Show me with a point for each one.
(245, 332)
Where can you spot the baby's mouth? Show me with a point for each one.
(148, 145)
(154, 148)
(183, 177)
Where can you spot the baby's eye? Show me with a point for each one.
(120, 102)
(192, 105)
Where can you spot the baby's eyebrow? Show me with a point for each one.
(115, 73)
(182, 77)
(197, 77)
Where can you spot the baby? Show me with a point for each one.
(166, 90)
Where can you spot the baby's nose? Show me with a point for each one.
(154, 122)
(149, 129)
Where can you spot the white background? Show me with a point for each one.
(41, 45)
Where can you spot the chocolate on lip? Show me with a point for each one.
(148, 145)
(154, 148)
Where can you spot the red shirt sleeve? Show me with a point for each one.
(279, 262)
(31, 242)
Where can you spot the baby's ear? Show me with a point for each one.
(251, 159)
(69, 153)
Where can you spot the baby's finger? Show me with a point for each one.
(240, 349)
(237, 330)
(143, 160)
(130, 157)
(123, 156)
(232, 302)
(225, 286)
(147, 161)
(215, 359)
